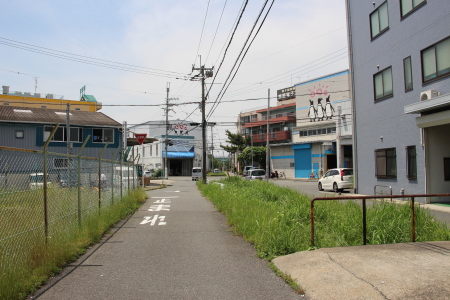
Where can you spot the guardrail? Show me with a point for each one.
(364, 198)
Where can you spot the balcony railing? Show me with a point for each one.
(273, 136)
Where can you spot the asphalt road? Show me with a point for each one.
(177, 246)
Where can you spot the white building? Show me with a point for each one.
(184, 147)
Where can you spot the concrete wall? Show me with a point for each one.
(281, 158)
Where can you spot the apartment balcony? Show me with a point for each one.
(272, 121)
(278, 136)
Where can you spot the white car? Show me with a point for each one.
(254, 174)
(336, 180)
(197, 173)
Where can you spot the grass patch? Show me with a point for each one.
(27, 261)
(287, 278)
(277, 219)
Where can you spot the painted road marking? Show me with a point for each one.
(153, 219)
(171, 191)
(162, 201)
(159, 207)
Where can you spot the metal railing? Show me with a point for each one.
(364, 217)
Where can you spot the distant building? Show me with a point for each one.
(184, 149)
(322, 135)
(400, 64)
(26, 121)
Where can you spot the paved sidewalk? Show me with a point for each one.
(396, 271)
(176, 246)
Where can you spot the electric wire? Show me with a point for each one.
(245, 53)
(217, 28)
(95, 62)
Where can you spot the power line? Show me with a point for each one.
(89, 60)
(245, 53)
(201, 35)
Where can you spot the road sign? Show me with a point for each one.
(140, 137)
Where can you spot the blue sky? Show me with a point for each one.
(299, 40)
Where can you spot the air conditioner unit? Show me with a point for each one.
(429, 94)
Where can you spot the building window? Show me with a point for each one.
(60, 163)
(245, 119)
(447, 168)
(76, 134)
(19, 134)
(102, 135)
(382, 83)
(436, 61)
(407, 71)
(331, 130)
(379, 20)
(411, 163)
(254, 118)
(408, 6)
(386, 163)
(151, 150)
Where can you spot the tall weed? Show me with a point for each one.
(277, 219)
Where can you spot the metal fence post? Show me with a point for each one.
(79, 179)
(121, 176)
(99, 176)
(112, 174)
(413, 220)
(45, 181)
(364, 215)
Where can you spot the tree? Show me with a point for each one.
(259, 156)
(238, 143)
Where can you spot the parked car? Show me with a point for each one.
(196, 173)
(246, 168)
(336, 180)
(254, 174)
(37, 181)
(216, 171)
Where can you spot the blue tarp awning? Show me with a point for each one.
(173, 154)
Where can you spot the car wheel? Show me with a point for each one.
(336, 188)
(320, 186)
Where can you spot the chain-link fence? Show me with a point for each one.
(47, 195)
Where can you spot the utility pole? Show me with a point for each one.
(167, 131)
(166, 141)
(338, 139)
(209, 73)
(267, 141)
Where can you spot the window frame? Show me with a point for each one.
(411, 163)
(374, 86)
(103, 136)
(438, 77)
(386, 157)
(64, 134)
(409, 87)
(413, 9)
(17, 133)
(381, 31)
